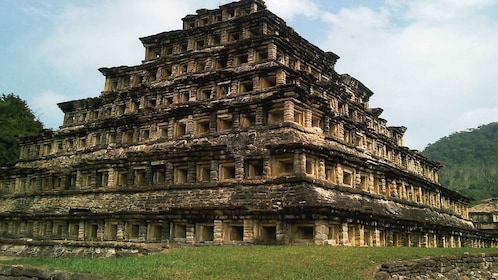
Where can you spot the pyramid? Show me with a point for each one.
(233, 130)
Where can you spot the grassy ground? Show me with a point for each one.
(246, 262)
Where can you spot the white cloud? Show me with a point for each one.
(105, 34)
(289, 9)
(445, 10)
(479, 116)
(438, 62)
(356, 19)
(45, 108)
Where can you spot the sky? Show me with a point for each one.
(432, 64)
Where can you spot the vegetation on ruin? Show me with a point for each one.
(470, 160)
(247, 262)
(16, 119)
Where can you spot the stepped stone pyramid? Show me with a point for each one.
(233, 130)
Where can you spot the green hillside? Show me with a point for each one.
(470, 160)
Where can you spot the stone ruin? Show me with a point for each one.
(233, 130)
(485, 215)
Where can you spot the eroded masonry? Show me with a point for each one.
(232, 130)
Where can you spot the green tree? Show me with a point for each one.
(470, 161)
(16, 119)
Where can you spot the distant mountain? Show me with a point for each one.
(470, 160)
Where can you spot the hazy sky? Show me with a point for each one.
(432, 64)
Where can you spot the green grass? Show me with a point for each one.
(246, 262)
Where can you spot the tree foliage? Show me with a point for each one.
(16, 119)
(470, 160)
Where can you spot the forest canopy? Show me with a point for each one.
(16, 119)
(470, 161)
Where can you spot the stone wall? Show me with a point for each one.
(465, 267)
(26, 273)
(74, 249)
